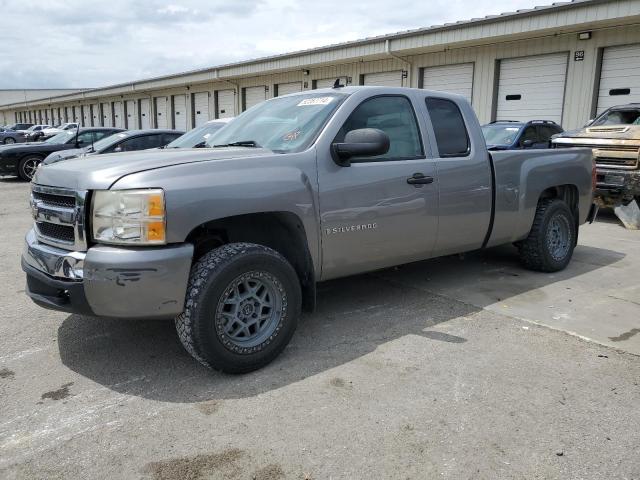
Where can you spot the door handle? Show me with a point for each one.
(419, 179)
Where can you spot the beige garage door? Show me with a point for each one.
(107, 118)
(619, 77)
(456, 79)
(287, 88)
(384, 79)
(180, 112)
(145, 113)
(130, 114)
(254, 96)
(532, 88)
(118, 114)
(161, 112)
(226, 105)
(328, 82)
(200, 108)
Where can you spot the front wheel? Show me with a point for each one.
(28, 166)
(9, 140)
(549, 246)
(242, 307)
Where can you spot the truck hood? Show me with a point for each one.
(614, 132)
(94, 172)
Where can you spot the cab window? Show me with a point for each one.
(449, 128)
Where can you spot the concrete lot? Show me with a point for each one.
(442, 369)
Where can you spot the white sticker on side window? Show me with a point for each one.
(315, 101)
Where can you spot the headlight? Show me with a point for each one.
(129, 217)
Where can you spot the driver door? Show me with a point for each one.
(371, 217)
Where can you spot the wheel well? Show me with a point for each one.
(569, 195)
(281, 231)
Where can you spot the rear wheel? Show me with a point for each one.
(242, 307)
(28, 166)
(9, 140)
(549, 246)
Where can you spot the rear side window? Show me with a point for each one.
(449, 127)
(138, 143)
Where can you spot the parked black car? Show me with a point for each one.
(126, 141)
(23, 160)
(514, 135)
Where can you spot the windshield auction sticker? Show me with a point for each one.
(315, 101)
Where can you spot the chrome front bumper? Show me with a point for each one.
(108, 281)
(53, 261)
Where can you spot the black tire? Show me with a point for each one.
(27, 166)
(544, 250)
(9, 140)
(211, 283)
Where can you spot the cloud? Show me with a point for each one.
(90, 43)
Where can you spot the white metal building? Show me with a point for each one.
(563, 62)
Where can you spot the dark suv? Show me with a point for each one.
(514, 135)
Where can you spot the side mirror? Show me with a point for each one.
(118, 148)
(528, 143)
(363, 142)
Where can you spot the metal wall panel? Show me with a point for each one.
(226, 104)
(200, 108)
(619, 77)
(86, 116)
(531, 88)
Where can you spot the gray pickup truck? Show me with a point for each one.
(231, 240)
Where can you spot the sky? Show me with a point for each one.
(87, 43)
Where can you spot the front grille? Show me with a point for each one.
(59, 216)
(55, 200)
(612, 156)
(63, 233)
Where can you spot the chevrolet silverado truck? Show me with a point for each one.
(231, 240)
(614, 137)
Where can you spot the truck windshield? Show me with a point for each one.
(619, 117)
(197, 136)
(283, 125)
(503, 135)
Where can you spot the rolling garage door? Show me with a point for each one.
(118, 114)
(107, 117)
(449, 78)
(180, 112)
(532, 88)
(161, 112)
(619, 77)
(254, 95)
(287, 88)
(200, 108)
(131, 120)
(384, 79)
(328, 82)
(145, 113)
(95, 114)
(86, 115)
(226, 104)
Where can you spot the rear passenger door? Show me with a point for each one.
(372, 216)
(464, 176)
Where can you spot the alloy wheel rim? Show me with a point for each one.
(249, 312)
(558, 237)
(30, 167)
